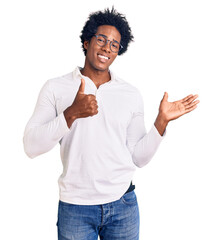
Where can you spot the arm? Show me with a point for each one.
(45, 129)
(142, 145)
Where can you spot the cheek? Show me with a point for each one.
(91, 54)
(113, 58)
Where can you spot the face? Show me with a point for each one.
(97, 57)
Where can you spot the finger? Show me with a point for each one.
(93, 101)
(92, 112)
(190, 106)
(190, 109)
(82, 86)
(186, 98)
(165, 96)
(190, 100)
(91, 97)
(94, 104)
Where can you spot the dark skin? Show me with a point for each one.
(97, 69)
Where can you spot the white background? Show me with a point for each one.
(177, 49)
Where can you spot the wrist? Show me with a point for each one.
(162, 119)
(70, 118)
(161, 123)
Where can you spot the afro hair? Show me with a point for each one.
(107, 17)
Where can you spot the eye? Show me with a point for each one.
(115, 45)
(101, 39)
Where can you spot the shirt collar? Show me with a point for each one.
(78, 74)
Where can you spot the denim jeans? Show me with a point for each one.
(117, 220)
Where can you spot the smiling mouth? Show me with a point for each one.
(103, 57)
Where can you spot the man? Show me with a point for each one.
(98, 119)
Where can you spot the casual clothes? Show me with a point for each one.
(99, 153)
(118, 220)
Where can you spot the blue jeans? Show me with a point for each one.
(117, 220)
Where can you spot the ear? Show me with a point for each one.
(86, 44)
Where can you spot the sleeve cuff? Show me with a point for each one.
(155, 131)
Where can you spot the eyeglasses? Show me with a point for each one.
(102, 40)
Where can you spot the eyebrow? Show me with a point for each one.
(107, 38)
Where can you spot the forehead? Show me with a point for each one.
(110, 31)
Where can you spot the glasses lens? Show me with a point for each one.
(115, 47)
(101, 41)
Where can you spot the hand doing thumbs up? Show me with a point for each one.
(84, 105)
(81, 87)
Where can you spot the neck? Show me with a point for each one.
(97, 76)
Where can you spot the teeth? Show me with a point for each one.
(103, 57)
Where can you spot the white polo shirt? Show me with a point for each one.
(99, 153)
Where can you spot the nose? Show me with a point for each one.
(107, 47)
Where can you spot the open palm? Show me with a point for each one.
(174, 110)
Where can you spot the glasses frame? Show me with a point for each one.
(107, 40)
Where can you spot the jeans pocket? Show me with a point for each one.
(129, 198)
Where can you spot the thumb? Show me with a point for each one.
(165, 96)
(82, 86)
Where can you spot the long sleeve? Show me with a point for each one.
(45, 128)
(142, 145)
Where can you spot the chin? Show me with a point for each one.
(101, 68)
